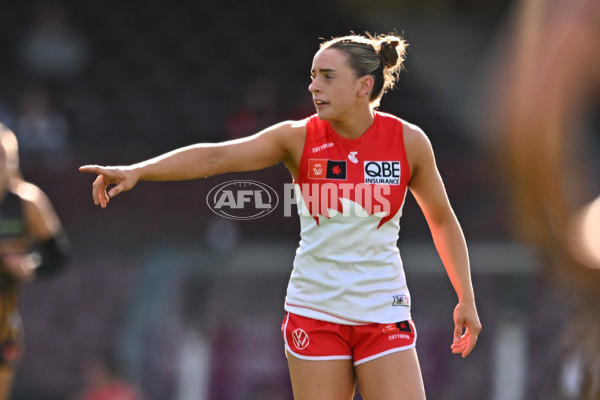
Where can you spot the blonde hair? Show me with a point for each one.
(10, 147)
(380, 56)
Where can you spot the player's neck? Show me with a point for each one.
(354, 126)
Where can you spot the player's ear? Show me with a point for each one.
(366, 85)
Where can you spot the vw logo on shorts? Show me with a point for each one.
(242, 199)
(301, 340)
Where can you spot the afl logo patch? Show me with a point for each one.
(300, 338)
(326, 169)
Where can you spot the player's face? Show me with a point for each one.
(3, 169)
(334, 85)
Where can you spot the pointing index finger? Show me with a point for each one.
(95, 169)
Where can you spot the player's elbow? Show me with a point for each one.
(54, 256)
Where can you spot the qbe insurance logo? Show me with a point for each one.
(242, 199)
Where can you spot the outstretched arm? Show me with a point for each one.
(429, 191)
(264, 149)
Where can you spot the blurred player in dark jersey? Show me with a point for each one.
(32, 244)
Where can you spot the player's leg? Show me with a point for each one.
(6, 379)
(321, 379)
(319, 359)
(393, 376)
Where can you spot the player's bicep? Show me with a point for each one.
(426, 183)
(261, 150)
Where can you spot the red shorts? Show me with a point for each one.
(311, 339)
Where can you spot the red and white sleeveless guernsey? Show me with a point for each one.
(350, 195)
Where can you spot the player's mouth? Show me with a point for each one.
(319, 103)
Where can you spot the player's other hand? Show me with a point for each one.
(18, 265)
(466, 328)
(124, 178)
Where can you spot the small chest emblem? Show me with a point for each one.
(326, 169)
(401, 300)
(352, 157)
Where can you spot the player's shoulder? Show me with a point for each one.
(288, 131)
(414, 137)
(288, 136)
(29, 193)
(295, 125)
(418, 146)
(409, 129)
(289, 127)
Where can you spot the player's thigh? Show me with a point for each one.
(395, 376)
(6, 379)
(321, 379)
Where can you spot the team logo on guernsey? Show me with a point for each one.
(401, 300)
(326, 169)
(382, 172)
(352, 157)
(300, 338)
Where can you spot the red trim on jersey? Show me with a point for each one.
(379, 156)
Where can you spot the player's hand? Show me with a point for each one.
(124, 178)
(19, 265)
(466, 328)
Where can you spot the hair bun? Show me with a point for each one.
(388, 52)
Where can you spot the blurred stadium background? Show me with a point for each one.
(191, 303)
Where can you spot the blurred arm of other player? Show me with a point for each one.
(41, 248)
(50, 250)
